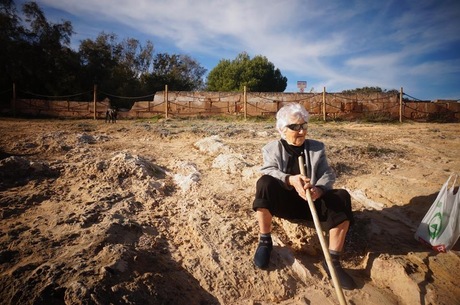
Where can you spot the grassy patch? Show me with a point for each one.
(378, 117)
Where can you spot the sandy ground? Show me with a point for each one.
(142, 212)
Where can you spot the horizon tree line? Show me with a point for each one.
(37, 57)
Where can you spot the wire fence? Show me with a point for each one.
(325, 105)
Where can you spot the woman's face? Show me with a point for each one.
(296, 137)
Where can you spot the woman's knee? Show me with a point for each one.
(341, 197)
(344, 194)
(266, 181)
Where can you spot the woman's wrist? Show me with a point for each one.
(287, 180)
(320, 190)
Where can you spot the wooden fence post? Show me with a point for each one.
(166, 101)
(324, 104)
(94, 100)
(245, 102)
(400, 104)
(14, 99)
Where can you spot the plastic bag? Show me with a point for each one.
(440, 228)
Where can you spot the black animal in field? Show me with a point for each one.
(111, 115)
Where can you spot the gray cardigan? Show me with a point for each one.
(276, 160)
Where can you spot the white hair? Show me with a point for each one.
(288, 114)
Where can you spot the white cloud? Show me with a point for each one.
(436, 68)
(339, 44)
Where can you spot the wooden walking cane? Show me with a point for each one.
(322, 240)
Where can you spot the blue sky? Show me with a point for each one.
(334, 44)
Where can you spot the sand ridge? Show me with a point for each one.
(143, 212)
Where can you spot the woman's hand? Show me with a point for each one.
(316, 193)
(301, 184)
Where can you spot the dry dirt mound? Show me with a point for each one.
(159, 213)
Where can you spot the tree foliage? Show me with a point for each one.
(35, 52)
(37, 56)
(116, 67)
(10, 39)
(257, 74)
(179, 72)
(368, 90)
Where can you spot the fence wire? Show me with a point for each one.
(127, 97)
(214, 103)
(55, 96)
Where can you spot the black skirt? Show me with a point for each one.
(333, 208)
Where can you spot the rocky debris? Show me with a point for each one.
(160, 213)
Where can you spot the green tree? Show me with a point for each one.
(257, 74)
(179, 72)
(368, 90)
(96, 59)
(132, 57)
(35, 52)
(117, 67)
(10, 41)
(48, 42)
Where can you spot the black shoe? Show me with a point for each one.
(264, 249)
(346, 281)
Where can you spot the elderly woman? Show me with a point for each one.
(281, 191)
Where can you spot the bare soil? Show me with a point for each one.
(144, 212)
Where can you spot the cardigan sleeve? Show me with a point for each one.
(275, 160)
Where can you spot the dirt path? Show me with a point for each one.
(141, 212)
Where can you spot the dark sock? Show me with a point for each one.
(346, 280)
(266, 240)
(335, 257)
(335, 253)
(265, 235)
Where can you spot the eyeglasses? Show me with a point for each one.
(297, 127)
